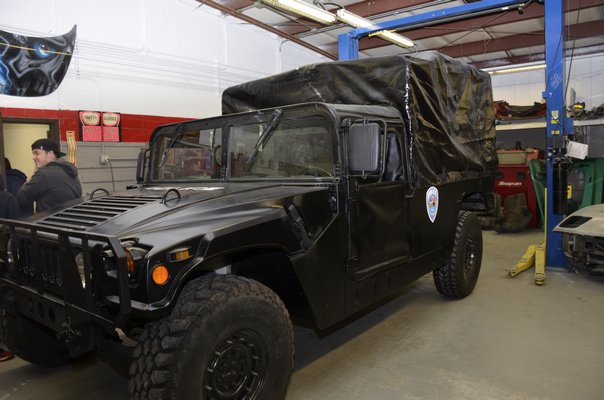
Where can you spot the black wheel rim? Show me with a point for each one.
(237, 369)
(470, 256)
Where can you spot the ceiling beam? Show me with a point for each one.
(529, 39)
(524, 40)
(253, 21)
(236, 4)
(532, 58)
(533, 11)
(372, 7)
(364, 9)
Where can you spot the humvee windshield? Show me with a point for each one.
(274, 147)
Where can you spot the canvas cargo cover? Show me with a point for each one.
(446, 105)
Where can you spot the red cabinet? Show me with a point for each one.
(514, 179)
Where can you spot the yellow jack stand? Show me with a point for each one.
(527, 261)
(540, 265)
(534, 256)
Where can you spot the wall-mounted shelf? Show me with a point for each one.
(531, 133)
(588, 122)
(517, 124)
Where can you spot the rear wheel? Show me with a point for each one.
(227, 338)
(457, 277)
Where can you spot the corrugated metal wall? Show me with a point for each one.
(114, 175)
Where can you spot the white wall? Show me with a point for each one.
(174, 58)
(156, 57)
(524, 88)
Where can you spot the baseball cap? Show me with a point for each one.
(48, 145)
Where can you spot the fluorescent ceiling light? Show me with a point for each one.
(517, 69)
(353, 20)
(302, 8)
(360, 22)
(396, 38)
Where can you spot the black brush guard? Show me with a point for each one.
(48, 285)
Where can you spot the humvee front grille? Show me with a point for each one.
(44, 263)
(89, 214)
(49, 263)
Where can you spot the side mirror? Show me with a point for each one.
(140, 166)
(364, 149)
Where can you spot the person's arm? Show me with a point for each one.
(31, 191)
(12, 209)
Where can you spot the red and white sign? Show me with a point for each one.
(92, 133)
(90, 118)
(111, 119)
(111, 134)
(100, 127)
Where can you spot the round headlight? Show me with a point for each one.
(10, 258)
(79, 260)
(135, 257)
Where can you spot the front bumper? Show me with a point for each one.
(43, 273)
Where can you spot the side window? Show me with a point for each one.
(394, 169)
(365, 148)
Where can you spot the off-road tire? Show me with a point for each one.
(457, 277)
(28, 339)
(227, 338)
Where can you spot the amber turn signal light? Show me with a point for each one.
(180, 254)
(160, 274)
(129, 261)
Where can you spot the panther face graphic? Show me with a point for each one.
(32, 66)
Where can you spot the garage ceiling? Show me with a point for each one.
(493, 40)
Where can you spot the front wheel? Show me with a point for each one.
(457, 277)
(227, 338)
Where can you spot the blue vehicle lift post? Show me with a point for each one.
(558, 125)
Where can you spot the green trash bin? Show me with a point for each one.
(585, 179)
(538, 170)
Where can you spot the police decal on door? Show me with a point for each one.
(432, 203)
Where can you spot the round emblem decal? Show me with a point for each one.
(432, 203)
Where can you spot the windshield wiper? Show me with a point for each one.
(266, 135)
(176, 135)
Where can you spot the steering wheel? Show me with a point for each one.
(315, 171)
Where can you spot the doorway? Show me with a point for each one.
(16, 137)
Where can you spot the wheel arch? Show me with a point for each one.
(477, 201)
(268, 265)
(478, 194)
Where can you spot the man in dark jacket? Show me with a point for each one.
(8, 209)
(15, 178)
(55, 182)
(8, 206)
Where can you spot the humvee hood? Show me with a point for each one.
(191, 209)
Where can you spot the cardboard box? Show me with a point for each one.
(511, 157)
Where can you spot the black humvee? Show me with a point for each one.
(241, 223)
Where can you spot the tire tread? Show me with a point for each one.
(154, 371)
(449, 279)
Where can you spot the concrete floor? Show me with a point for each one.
(509, 340)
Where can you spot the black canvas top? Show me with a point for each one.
(446, 105)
